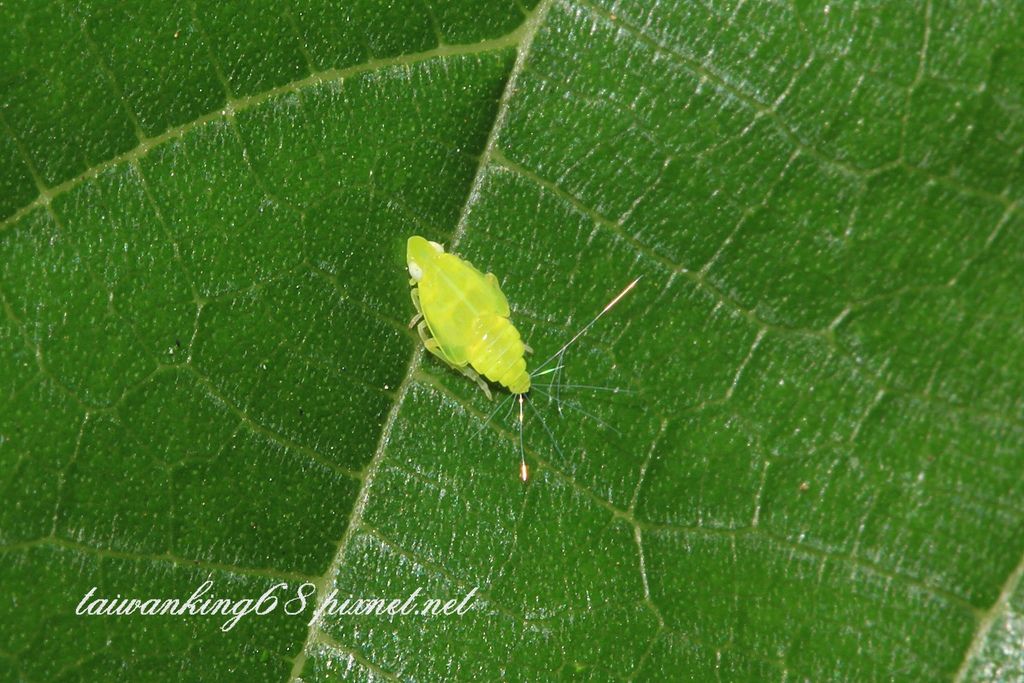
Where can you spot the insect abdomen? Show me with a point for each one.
(497, 353)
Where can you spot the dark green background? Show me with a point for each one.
(205, 369)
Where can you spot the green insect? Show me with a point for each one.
(463, 318)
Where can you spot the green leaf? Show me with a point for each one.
(206, 373)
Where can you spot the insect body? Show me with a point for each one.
(468, 316)
(463, 317)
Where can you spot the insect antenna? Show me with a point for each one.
(589, 387)
(580, 410)
(523, 472)
(549, 371)
(556, 385)
(586, 328)
(551, 435)
(494, 412)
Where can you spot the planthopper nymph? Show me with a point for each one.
(463, 318)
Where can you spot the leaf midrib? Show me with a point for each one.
(521, 38)
(988, 620)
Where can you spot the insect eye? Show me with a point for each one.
(415, 272)
(438, 247)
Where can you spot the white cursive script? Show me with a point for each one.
(202, 603)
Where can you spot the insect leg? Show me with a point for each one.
(480, 382)
(435, 348)
(415, 294)
(432, 344)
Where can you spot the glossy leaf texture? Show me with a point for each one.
(816, 469)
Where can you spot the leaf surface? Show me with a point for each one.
(206, 373)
